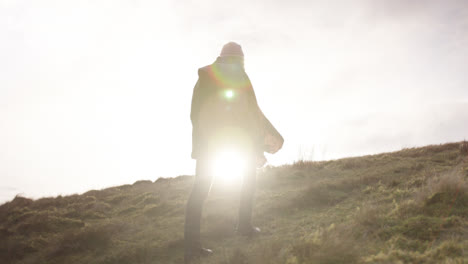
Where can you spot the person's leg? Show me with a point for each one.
(200, 190)
(246, 199)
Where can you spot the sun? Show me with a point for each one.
(228, 166)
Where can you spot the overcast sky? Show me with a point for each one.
(97, 93)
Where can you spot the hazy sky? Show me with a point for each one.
(97, 93)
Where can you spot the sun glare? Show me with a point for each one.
(228, 166)
(229, 94)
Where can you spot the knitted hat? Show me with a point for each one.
(232, 49)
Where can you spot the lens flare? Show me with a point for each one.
(228, 166)
(229, 94)
(228, 79)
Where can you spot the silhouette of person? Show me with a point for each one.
(225, 113)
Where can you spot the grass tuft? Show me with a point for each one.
(464, 148)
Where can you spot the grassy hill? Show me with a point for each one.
(408, 206)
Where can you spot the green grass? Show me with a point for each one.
(402, 207)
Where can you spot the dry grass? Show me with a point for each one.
(402, 207)
(329, 245)
(464, 148)
(444, 195)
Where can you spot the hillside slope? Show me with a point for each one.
(408, 206)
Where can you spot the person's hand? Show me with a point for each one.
(261, 160)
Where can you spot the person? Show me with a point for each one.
(225, 114)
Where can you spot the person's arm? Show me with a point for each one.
(197, 101)
(195, 108)
(272, 139)
(198, 97)
(253, 104)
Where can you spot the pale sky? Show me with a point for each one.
(97, 93)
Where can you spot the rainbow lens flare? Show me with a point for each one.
(228, 79)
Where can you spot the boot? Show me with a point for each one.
(196, 253)
(249, 230)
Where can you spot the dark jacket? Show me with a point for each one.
(225, 112)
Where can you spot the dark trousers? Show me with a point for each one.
(200, 190)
